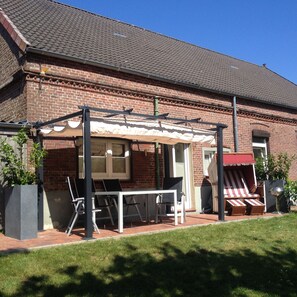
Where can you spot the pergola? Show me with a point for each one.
(152, 128)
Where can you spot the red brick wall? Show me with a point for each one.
(65, 85)
(108, 89)
(12, 103)
(61, 161)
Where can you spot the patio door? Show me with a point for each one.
(179, 165)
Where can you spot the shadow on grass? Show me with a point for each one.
(171, 272)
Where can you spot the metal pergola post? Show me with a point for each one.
(40, 187)
(87, 173)
(220, 168)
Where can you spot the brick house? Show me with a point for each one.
(55, 58)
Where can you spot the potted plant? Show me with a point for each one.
(273, 172)
(20, 181)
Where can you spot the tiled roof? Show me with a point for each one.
(63, 30)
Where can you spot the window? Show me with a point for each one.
(208, 154)
(110, 158)
(260, 147)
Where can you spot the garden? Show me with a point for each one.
(249, 258)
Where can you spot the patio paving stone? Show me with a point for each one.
(54, 237)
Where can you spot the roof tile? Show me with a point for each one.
(64, 30)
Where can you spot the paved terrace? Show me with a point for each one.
(54, 237)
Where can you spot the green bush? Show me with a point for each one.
(291, 190)
(274, 167)
(260, 168)
(15, 171)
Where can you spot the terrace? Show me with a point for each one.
(55, 237)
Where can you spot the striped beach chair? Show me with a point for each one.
(236, 189)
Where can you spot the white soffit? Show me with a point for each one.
(150, 131)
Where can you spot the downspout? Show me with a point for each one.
(235, 125)
(157, 161)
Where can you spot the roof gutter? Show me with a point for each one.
(146, 75)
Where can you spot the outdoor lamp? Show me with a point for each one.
(276, 192)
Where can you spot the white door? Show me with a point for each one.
(179, 156)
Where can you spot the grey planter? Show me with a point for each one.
(21, 212)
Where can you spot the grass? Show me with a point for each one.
(250, 258)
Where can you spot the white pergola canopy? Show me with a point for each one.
(149, 131)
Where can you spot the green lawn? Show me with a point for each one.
(250, 258)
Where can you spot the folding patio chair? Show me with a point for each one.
(165, 202)
(114, 185)
(78, 203)
(107, 203)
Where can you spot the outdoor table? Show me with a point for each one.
(120, 195)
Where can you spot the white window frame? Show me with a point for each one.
(261, 145)
(109, 174)
(211, 152)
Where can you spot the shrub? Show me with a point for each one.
(15, 170)
(274, 167)
(291, 190)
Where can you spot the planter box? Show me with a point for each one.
(21, 212)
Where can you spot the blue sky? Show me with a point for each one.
(257, 31)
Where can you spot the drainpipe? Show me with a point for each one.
(157, 161)
(235, 125)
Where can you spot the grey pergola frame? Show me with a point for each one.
(84, 112)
